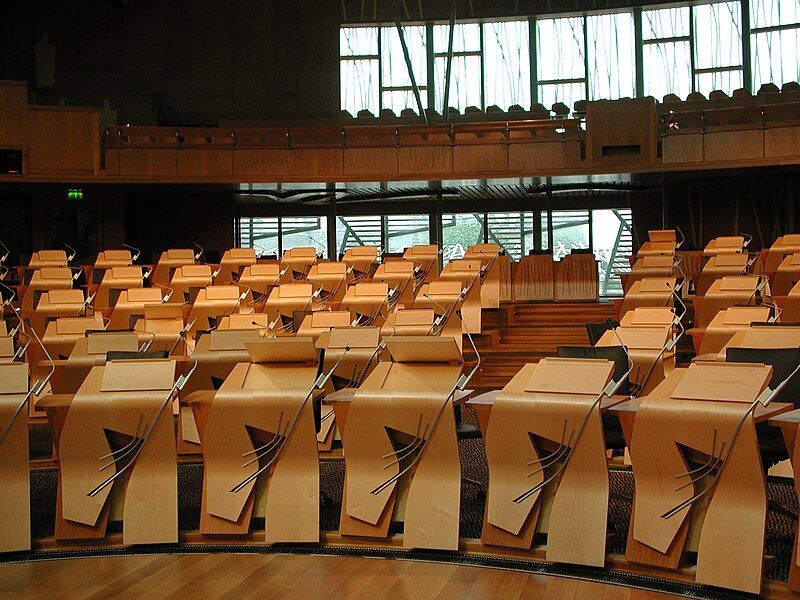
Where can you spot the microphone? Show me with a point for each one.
(181, 336)
(179, 384)
(135, 252)
(463, 381)
(747, 239)
(6, 252)
(146, 346)
(683, 238)
(319, 384)
(200, 251)
(166, 296)
(73, 253)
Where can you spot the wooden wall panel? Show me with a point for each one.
(265, 162)
(682, 148)
(480, 158)
(316, 161)
(543, 155)
(733, 145)
(13, 113)
(148, 162)
(782, 141)
(370, 161)
(420, 160)
(205, 161)
(608, 144)
(63, 140)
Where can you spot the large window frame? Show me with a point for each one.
(740, 27)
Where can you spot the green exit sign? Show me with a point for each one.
(74, 194)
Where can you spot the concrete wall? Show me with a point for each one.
(180, 61)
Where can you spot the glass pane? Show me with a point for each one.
(513, 231)
(570, 231)
(395, 72)
(766, 13)
(507, 68)
(465, 82)
(358, 41)
(259, 233)
(460, 231)
(466, 37)
(305, 231)
(718, 35)
(612, 61)
(568, 93)
(667, 69)
(404, 231)
(559, 48)
(613, 244)
(727, 81)
(359, 85)
(775, 57)
(665, 23)
(400, 99)
(357, 231)
(545, 231)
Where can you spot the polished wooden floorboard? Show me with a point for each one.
(287, 576)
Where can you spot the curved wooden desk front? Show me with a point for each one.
(690, 419)
(547, 411)
(406, 401)
(263, 407)
(115, 408)
(15, 493)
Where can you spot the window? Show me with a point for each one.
(394, 233)
(570, 231)
(357, 231)
(560, 56)
(717, 47)
(685, 48)
(260, 233)
(612, 61)
(465, 81)
(775, 41)
(613, 244)
(396, 89)
(404, 231)
(358, 68)
(507, 65)
(460, 231)
(667, 52)
(271, 236)
(513, 231)
(305, 231)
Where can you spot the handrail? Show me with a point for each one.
(350, 135)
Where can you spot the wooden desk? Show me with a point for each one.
(576, 278)
(533, 278)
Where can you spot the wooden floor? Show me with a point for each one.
(238, 576)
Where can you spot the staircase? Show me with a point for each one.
(524, 332)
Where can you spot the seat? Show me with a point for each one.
(468, 431)
(596, 330)
(783, 362)
(612, 428)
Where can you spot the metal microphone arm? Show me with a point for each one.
(764, 398)
(319, 384)
(179, 384)
(73, 251)
(135, 252)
